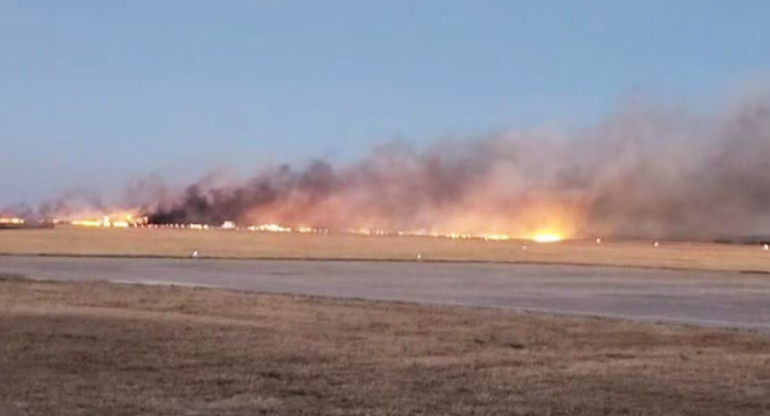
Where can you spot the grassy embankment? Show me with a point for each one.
(243, 244)
(100, 348)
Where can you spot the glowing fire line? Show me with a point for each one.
(547, 238)
(123, 220)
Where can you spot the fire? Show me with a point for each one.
(547, 237)
(496, 237)
(553, 231)
(11, 220)
(276, 228)
(113, 220)
(273, 228)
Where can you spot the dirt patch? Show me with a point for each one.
(6, 277)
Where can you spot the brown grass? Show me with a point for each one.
(100, 348)
(243, 244)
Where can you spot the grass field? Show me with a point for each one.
(243, 244)
(101, 348)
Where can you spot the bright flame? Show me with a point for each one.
(496, 237)
(546, 237)
(114, 220)
(129, 219)
(273, 228)
(15, 221)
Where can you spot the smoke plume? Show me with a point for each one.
(643, 171)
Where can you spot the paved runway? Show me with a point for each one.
(705, 298)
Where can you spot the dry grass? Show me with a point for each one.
(100, 348)
(232, 244)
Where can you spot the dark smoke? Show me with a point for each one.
(645, 171)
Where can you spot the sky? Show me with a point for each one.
(94, 94)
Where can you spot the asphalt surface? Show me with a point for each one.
(723, 299)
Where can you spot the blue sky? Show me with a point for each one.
(94, 93)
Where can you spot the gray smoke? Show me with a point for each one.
(644, 171)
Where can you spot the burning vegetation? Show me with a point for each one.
(645, 171)
(12, 221)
